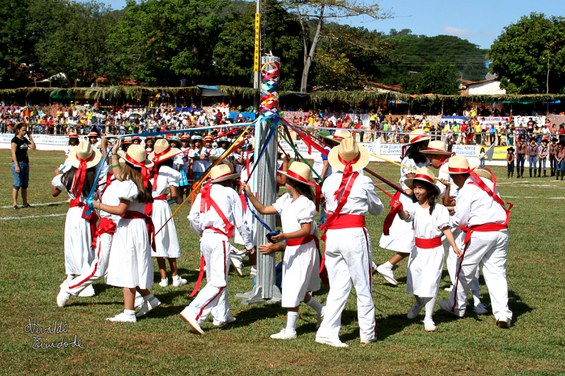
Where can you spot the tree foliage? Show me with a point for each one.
(529, 56)
(437, 78)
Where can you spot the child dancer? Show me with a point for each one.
(510, 161)
(165, 179)
(214, 214)
(78, 181)
(430, 221)
(301, 259)
(130, 265)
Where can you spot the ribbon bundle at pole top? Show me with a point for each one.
(270, 73)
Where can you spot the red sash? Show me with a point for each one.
(92, 219)
(105, 226)
(391, 214)
(300, 241)
(428, 243)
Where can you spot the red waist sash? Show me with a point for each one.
(428, 243)
(300, 241)
(160, 197)
(347, 221)
(218, 231)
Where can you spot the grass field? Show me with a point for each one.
(32, 267)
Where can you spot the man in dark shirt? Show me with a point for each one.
(521, 149)
(20, 163)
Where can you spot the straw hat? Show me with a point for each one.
(93, 134)
(299, 171)
(84, 152)
(208, 138)
(347, 151)
(483, 173)
(136, 156)
(222, 172)
(162, 151)
(73, 135)
(458, 164)
(436, 148)
(418, 135)
(196, 137)
(426, 175)
(184, 138)
(339, 135)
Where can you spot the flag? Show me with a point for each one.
(490, 152)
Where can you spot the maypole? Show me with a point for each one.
(264, 181)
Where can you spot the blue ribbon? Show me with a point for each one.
(255, 214)
(88, 200)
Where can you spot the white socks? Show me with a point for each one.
(430, 303)
(292, 316)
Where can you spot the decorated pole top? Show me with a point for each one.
(270, 76)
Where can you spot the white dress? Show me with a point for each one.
(78, 237)
(401, 235)
(301, 263)
(130, 262)
(425, 264)
(166, 240)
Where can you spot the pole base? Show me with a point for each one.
(256, 295)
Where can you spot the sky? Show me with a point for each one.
(479, 21)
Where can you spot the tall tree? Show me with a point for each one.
(529, 56)
(437, 78)
(313, 14)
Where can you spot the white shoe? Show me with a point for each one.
(480, 309)
(283, 334)
(448, 288)
(68, 279)
(228, 320)
(63, 297)
(444, 304)
(191, 321)
(414, 311)
(504, 323)
(236, 258)
(367, 341)
(178, 281)
(122, 317)
(147, 306)
(164, 282)
(373, 267)
(253, 271)
(429, 325)
(387, 274)
(331, 341)
(87, 292)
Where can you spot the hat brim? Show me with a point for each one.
(73, 159)
(436, 152)
(410, 184)
(426, 138)
(170, 154)
(227, 177)
(122, 154)
(310, 182)
(333, 158)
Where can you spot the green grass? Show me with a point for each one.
(32, 267)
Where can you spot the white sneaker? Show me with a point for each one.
(283, 334)
(87, 292)
(414, 311)
(331, 341)
(367, 341)
(480, 309)
(228, 320)
(178, 281)
(448, 288)
(387, 274)
(504, 323)
(122, 317)
(191, 321)
(444, 304)
(63, 297)
(253, 271)
(164, 282)
(236, 258)
(147, 306)
(429, 325)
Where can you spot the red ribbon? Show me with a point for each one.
(347, 171)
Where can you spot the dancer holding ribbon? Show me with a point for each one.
(301, 261)
(349, 196)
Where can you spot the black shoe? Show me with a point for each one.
(26, 206)
(16, 207)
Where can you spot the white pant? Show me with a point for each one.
(348, 261)
(97, 267)
(487, 250)
(213, 297)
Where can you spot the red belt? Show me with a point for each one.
(482, 228)
(130, 214)
(217, 230)
(91, 219)
(300, 241)
(160, 197)
(428, 243)
(347, 221)
(106, 226)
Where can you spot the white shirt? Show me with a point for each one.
(230, 204)
(167, 177)
(475, 207)
(361, 200)
(428, 225)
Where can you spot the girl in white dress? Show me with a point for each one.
(301, 260)
(165, 180)
(401, 235)
(430, 221)
(78, 181)
(130, 265)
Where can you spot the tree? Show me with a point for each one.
(436, 78)
(529, 56)
(313, 14)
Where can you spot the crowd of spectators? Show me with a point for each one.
(368, 126)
